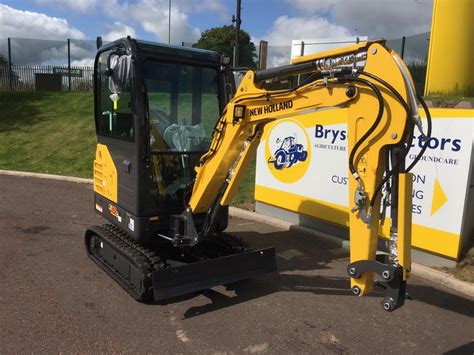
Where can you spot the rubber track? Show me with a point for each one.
(141, 258)
(147, 261)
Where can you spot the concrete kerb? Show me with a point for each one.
(428, 273)
(46, 176)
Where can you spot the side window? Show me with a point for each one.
(114, 118)
(210, 111)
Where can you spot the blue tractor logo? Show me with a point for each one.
(289, 153)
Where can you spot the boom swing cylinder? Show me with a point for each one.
(375, 87)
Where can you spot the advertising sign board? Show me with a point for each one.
(302, 166)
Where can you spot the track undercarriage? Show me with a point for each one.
(161, 271)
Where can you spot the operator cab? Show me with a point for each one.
(155, 110)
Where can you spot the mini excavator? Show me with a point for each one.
(174, 138)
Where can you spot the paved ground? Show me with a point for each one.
(54, 299)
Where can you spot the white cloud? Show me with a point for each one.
(86, 62)
(19, 25)
(311, 6)
(76, 5)
(204, 6)
(374, 18)
(187, 6)
(343, 18)
(285, 29)
(152, 16)
(118, 30)
(27, 24)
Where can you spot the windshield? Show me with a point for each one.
(183, 105)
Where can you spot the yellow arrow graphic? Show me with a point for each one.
(439, 197)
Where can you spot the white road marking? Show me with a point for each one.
(290, 254)
(181, 334)
(257, 349)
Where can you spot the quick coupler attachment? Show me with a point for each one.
(183, 230)
(393, 283)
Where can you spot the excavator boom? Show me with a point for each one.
(374, 85)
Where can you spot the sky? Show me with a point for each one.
(277, 21)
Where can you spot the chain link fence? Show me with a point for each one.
(413, 50)
(33, 64)
(37, 64)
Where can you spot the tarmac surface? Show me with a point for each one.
(54, 299)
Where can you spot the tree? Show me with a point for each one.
(222, 39)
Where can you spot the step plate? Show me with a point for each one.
(180, 280)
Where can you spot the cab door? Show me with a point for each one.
(116, 136)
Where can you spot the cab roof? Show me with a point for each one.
(165, 51)
(180, 51)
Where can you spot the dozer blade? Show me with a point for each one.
(187, 278)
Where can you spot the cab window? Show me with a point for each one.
(114, 111)
(183, 105)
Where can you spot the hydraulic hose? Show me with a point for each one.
(402, 101)
(428, 133)
(418, 157)
(371, 129)
(391, 88)
(386, 178)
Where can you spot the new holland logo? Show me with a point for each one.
(280, 106)
(287, 151)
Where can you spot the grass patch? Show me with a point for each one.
(245, 197)
(54, 133)
(47, 132)
(447, 101)
(464, 270)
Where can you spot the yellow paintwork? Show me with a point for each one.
(451, 52)
(263, 107)
(361, 116)
(405, 189)
(448, 113)
(105, 174)
(439, 197)
(423, 238)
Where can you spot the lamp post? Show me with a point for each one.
(237, 21)
(169, 22)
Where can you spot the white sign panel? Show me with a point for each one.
(311, 161)
(309, 46)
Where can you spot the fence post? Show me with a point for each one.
(403, 46)
(262, 55)
(10, 74)
(69, 62)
